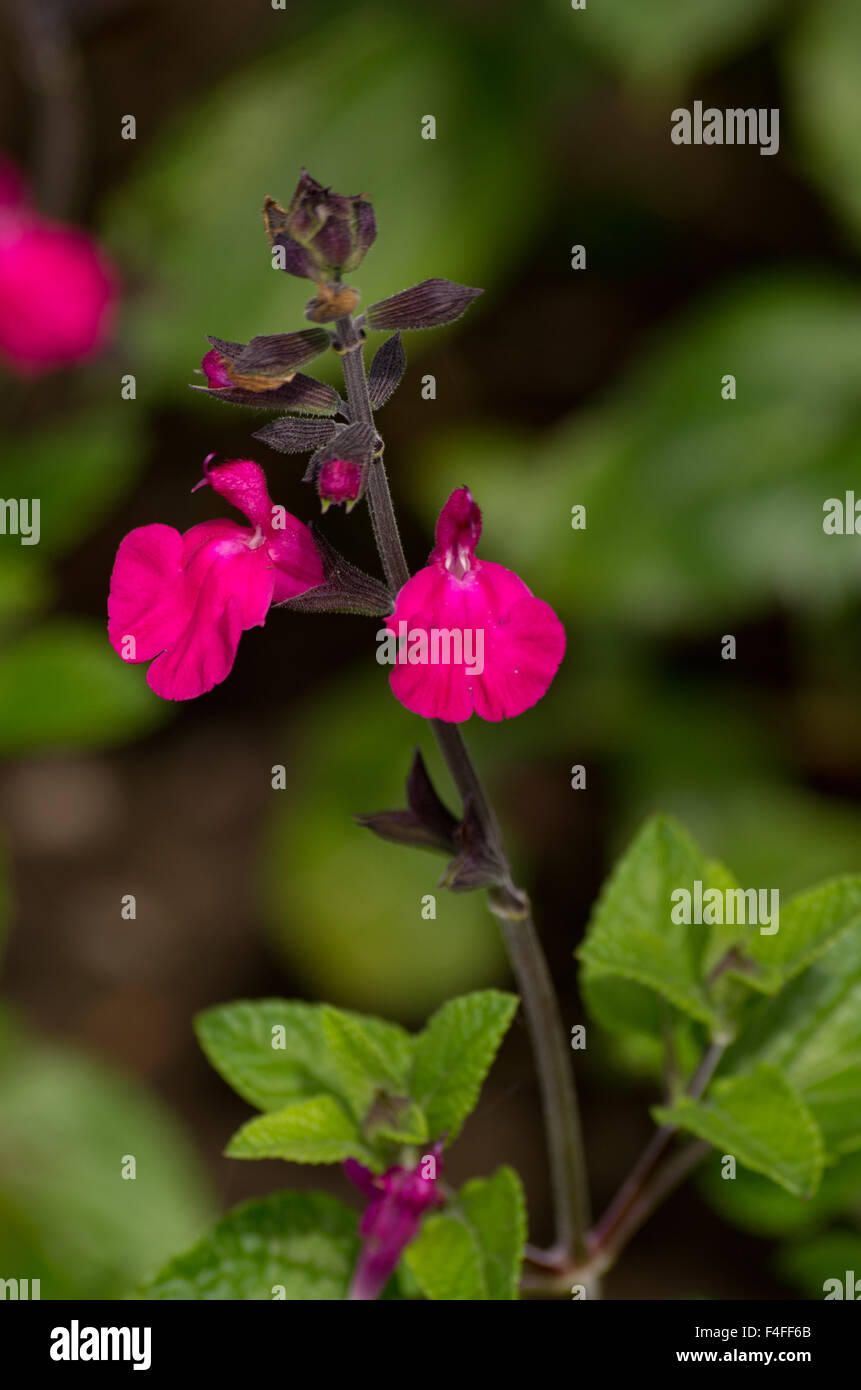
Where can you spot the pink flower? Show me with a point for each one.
(397, 1202)
(472, 637)
(183, 601)
(57, 291)
(340, 480)
(215, 370)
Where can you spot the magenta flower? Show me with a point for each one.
(397, 1202)
(183, 601)
(472, 638)
(57, 290)
(215, 370)
(339, 480)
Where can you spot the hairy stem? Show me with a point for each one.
(509, 903)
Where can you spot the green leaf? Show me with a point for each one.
(631, 934)
(302, 1242)
(671, 38)
(373, 1061)
(317, 1130)
(753, 1203)
(69, 1127)
(474, 1250)
(762, 1122)
(809, 924)
(812, 1031)
(822, 65)
(61, 686)
(453, 1055)
(370, 1056)
(271, 1051)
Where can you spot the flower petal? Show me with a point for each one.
(147, 600)
(514, 640)
(229, 590)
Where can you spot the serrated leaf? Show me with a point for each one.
(454, 1054)
(812, 1031)
(631, 934)
(761, 1120)
(809, 924)
(317, 1130)
(474, 1250)
(238, 1039)
(370, 1057)
(303, 1242)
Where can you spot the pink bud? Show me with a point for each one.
(340, 480)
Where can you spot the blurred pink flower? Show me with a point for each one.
(397, 1201)
(183, 601)
(57, 290)
(520, 639)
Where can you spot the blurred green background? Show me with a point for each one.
(599, 386)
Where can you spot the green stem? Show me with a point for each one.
(509, 903)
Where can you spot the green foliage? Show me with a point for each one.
(67, 1215)
(786, 1097)
(812, 1031)
(809, 924)
(335, 1085)
(62, 686)
(474, 1249)
(631, 936)
(454, 1054)
(317, 1130)
(303, 1243)
(823, 57)
(761, 1120)
(671, 38)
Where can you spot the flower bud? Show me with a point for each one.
(340, 480)
(322, 233)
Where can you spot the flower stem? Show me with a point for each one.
(638, 1194)
(509, 903)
